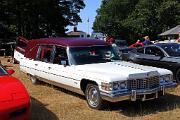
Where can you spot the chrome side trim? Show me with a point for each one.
(67, 87)
(116, 99)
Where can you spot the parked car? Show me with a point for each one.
(7, 48)
(163, 55)
(97, 35)
(91, 67)
(14, 99)
(168, 41)
(19, 50)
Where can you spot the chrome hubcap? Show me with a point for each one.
(92, 97)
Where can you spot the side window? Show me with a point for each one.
(148, 51)
(154, 51)
(45, 53)
(60, 56)
(140, 50)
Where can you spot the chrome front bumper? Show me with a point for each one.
(142, 94)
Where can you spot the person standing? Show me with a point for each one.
(147, 41)
(137, 44)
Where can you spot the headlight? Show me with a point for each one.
(123, 85)
(114, 85)
(166, 78)
(106, 86)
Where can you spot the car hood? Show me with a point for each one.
(11, 89)
(115, 71)
(174, 59)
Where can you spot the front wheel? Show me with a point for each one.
(93, 97)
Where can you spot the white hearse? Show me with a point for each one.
(91, 67)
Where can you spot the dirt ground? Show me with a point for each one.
(52, 103)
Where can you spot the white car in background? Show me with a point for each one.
(97, 35)
(167, 41)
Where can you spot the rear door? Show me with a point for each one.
(60, 70)
(43, 61)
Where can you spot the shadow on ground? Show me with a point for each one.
(40, 112)
(139, 108)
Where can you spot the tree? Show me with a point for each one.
(150, 17)
(142, 21)
(135, 19)
(110, 15)
(40, 18)
(168, 15)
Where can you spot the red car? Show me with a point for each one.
(14, 99)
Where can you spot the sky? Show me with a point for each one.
(89, 12)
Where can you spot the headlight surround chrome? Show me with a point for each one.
(117, 85)
(166, 78)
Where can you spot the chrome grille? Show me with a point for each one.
(147, 83)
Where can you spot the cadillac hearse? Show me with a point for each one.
(91, 67)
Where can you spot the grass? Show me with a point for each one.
(52, 103)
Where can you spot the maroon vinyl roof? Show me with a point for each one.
(32, 45)
(67, 42)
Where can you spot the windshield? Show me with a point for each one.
(2, 71)
(172, 49)
(92, 54)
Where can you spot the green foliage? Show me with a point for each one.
(133, 19)
(40, 18)
(169, 13)
(110, 16)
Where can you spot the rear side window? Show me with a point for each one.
(140, 50)
(45, 53)
(154, 51)
(60, 56)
